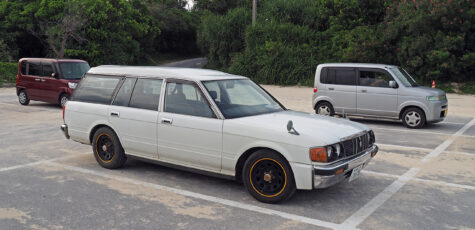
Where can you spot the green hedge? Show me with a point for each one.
(433, 40)
(8, 72)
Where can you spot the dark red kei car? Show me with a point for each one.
(48, 80)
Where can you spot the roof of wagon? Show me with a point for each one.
(361, 65)
(163, 72)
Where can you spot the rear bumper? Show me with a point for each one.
(325, 176)
(64, 128)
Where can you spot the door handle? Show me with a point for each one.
(167, 121)
(363, 90)
(331, 88)
(37, 79)
(115, 114)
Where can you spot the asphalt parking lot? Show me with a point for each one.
(420, 179)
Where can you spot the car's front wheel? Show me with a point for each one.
(268, 177)
(413, 118)
(107, 149)
(23, 98)
(63, 99)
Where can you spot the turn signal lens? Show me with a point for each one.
(64, 107)
(318, 155)
(315, 90)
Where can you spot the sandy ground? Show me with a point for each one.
(300, 98)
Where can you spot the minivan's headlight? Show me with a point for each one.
(72, 85)
(436, 98)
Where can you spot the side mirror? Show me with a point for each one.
(393, 84)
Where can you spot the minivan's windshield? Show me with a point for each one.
(404, 77)
(240, 98)
(73, 70)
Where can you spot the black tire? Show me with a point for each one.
(107, 149)
(23, 97)
(262, 182)
(63, 98)
(324, 108)
(413, 118)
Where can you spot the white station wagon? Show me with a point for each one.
(210, 121)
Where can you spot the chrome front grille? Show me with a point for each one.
(358, 144)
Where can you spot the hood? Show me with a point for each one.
(314, 129)
(424, 91)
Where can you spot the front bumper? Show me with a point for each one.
(437, 111)
(326, 175)
(64, 128)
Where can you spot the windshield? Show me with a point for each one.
(404, 77)
(241, 98)
(73, 70)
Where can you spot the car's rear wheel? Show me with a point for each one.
(107, 149)
(23, 98)
(63, 99)
(268, 177)
(413, 118)
(324, 108)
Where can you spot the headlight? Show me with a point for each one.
(337, 148)
(72, 85)
(436, 98)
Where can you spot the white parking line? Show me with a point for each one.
(369, 208)
(35, 163)
(422, 180)
(421, 131)
(231, 203)
(382, 146)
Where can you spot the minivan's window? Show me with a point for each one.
(338, 76)
(24, 64)
(73, 70)
(47, 70)
(240, 98)
(187, 99)
(403, 76)
(34, 69)
(96, 89)
(374, 79)
(123, 96)
(146, 94)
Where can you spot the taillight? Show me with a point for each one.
(315, 90)
(64, 107)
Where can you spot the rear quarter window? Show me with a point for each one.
(338, 76)
(96, 89)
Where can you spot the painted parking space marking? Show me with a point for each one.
(226, 202)
(35, 163)
(422, 132)
(382, 146)
(369, 208)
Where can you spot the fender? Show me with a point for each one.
(413, 103)
(323, 98)
(101, 122)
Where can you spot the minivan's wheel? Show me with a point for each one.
(413, 118)
(324, 108)
(23, 98)
(63, 99)
(107, 149)
(268, 177)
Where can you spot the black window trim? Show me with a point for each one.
(203, 94)
(373, 70)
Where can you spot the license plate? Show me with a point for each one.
(355, 173)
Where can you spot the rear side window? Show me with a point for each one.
(35, 69)
(24, 65)
(96, 89)
(338, 76)
(47, 70)
(123, 96)
(146, 94)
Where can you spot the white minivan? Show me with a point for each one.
(378, 91)
(213, 122)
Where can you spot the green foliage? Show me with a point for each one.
(105, 31)
(8, 72)
(432, 39)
